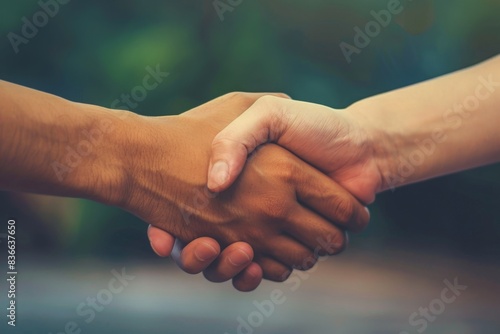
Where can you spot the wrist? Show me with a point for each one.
(158, 161)
(382, 138)
(165, 170)
(103, 160)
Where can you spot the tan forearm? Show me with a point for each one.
(439, 126)
(53, 146)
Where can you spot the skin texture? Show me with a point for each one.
(155, 168)
(404, 136)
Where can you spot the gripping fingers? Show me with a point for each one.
(249, 279)
(314, 231)
(196, 256)
(161, 242)
(326, 197)
(273, 270)
(230, 263)
(292, 253)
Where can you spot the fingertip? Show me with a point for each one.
(249, 279)
(218, 176)
(214, 187)
(197, 255)
(234, 259)
(206, 250)
(161, 242)
(245, 249)
(157, 252)
(362, 221)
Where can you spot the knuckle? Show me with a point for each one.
(267, 100)
(277, 208)
(285, 169)
(344, 210)
(273, 106)
(232, 95)
(276, 112)
(286, 175)
(245, 99)
(227, 142)
(221, 141)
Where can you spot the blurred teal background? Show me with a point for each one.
(93, 51)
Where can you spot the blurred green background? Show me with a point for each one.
(93, 51)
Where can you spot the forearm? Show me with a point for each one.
(53, 146)
(436, 127)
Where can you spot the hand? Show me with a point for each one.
(203, 254)
(338, 142)
(265, 208)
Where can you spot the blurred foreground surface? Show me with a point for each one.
(354, 293)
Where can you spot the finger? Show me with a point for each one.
(274, 270)
(292, 253)
(161, 242)
(230, 263)
(196, 256)
(318, 192)
(262, 122)
(221, 100)
(249, 278)
(315, 232)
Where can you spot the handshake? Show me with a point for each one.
(265, 204)
(272, 182)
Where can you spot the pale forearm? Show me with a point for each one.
(53, 146)
(439, 126)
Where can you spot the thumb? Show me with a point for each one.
(259, 124)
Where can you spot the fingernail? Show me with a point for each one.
(238, 258)
(205, 252)
(219, 174)
(286, 275)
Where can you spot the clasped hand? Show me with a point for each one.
(279, 214)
